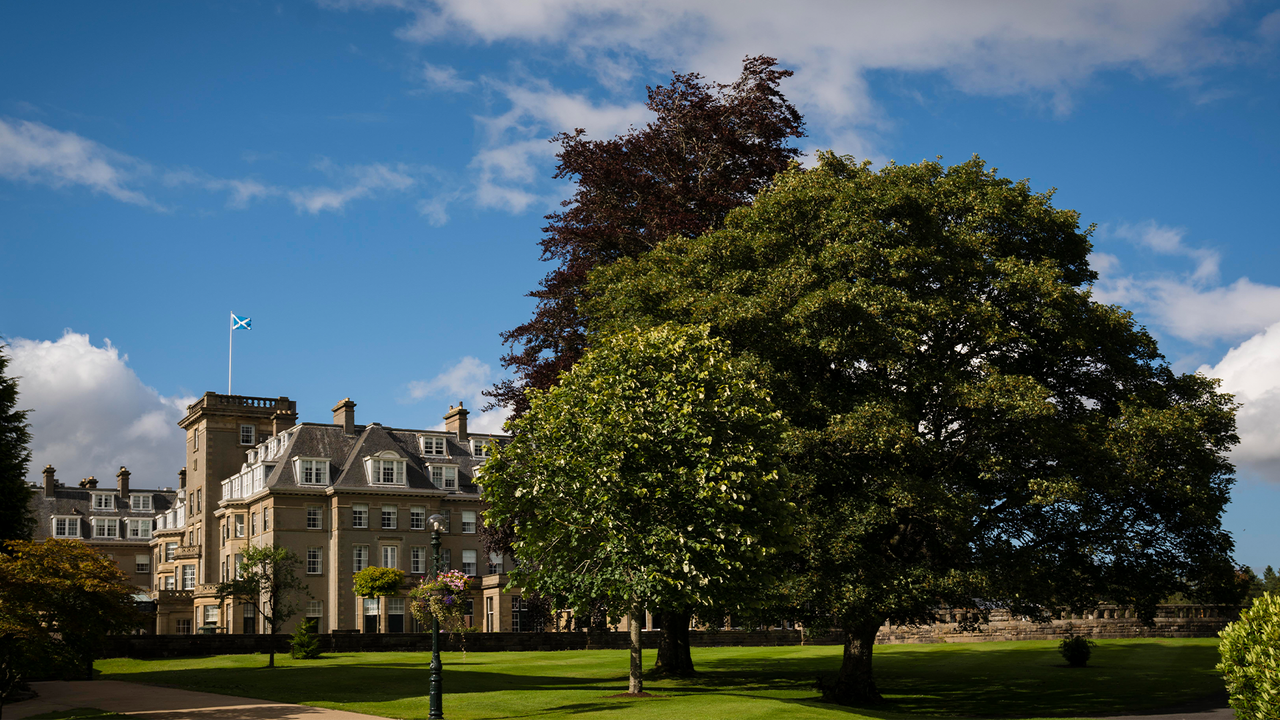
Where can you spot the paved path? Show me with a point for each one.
(158, 703)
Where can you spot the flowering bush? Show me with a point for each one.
(444, 599)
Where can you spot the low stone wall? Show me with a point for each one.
(1106, 622)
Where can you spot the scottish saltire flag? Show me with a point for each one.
(238, 322)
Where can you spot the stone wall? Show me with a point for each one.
(1172, 621)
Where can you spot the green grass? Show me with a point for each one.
(1004, 679)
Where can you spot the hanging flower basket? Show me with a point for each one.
(443, 599)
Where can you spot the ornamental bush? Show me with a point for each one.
(304, 645)
(378, 581)
(1076, 650)
(1250, 664)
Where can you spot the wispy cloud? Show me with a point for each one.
(36, 153)
(444, 77)
(464, 381)
(359, 181)
(240, 191)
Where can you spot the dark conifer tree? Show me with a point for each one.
(16, 522)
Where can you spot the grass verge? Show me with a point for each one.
(999, 679)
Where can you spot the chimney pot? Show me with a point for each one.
(344, 414)
(50, 482)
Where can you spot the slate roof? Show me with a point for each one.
(346, 454)
(79, 501)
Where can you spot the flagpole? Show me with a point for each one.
(231, 325)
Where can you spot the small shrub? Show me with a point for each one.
(304, 645)
(1076, 650)
(377, 581)
(1251, 660)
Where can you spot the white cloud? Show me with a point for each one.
(465, 380)
(1193, 305)
(444, 77)
(91, 413)
(361, 181)
(1251, 371)
(240, 191)
(36, 153)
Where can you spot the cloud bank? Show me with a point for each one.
(91, 414)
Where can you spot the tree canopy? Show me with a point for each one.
(649, 477)
(16, 521)
(267, 578)
(709, 149)
(969, 423)
(59, 599)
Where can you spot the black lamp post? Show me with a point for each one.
(437, 684)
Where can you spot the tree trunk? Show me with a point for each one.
(855, 684)
(636, 684)
(674, 658)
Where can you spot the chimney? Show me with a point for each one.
(123, 478)
(90, 482)
(344, 414)
(182, 479)
(50, 483)
(455, 421)
(282, 420)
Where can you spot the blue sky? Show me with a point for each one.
(366, 179)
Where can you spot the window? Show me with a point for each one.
(386, 471)
(495, 563)
(188, 577)
(360, 557)
(239, 525)
(169, 582)
(66, 527)
(359, 515)
(170, 551)
(266, 519)
(210, 614)
(195, 439)
(315, 520)
(223, 571)
(313, 472)
(235, 567)
(468, 562)
(253, 524)
(488, 615)
(246, 434)
(106, 527)
(432, 445)
(142, 564)
(389, 556)
(183, 626)
(389, 517)
(520, 620)
(199, 498)
(417, 518)
(445, 477)
(446, 559)
(468, 521)
(104, 501)
(480, 448)
(446, 524)
(418, 560)
(315, 608)
(139, 529)
(139, 503)
(315, 556)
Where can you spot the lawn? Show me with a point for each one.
(1004, 679)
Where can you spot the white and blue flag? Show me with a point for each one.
(238, 322)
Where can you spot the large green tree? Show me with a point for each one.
(969, 422)
(267, 578)
(59, 599)
(648, 478)
(16, 521)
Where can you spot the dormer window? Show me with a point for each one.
(104, 501)
(445, 477)
(386, 468)
(432, 445)
(66, 527)
(480, 447)
(139, 503)
(312, 471)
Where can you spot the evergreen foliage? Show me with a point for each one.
(1251, 662)
(1076, 650)
(304, 644)
(16, 520)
